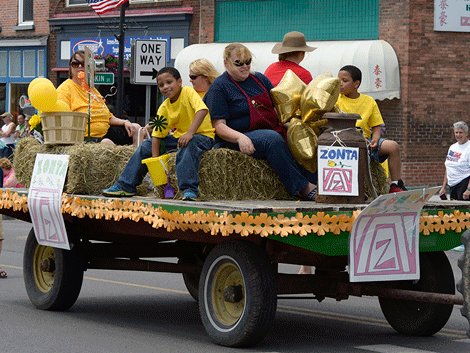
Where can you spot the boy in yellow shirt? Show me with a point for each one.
(380, 149)
(184, 112)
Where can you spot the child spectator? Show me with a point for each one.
(9, 177)
(184, 111)
(380, 149)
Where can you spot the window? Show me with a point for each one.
(15, 63)
(76, 2)
(25, 12)
(29, 63)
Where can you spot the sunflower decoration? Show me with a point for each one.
(158, 123)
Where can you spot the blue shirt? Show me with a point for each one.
(226, 101)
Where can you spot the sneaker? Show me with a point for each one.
(189, 196)
(397, 187)
(117, 191)
(311, 196)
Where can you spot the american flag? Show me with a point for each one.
(103, 6)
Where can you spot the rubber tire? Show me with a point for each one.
(464, 284)
(67, 277)
(260, 294)
(191, 281)
(418, 318)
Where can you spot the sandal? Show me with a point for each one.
(3, 274)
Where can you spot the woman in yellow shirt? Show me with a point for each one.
(104, 126)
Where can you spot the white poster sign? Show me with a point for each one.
(45, 200)
(148, 57)
(338, 170)
(384, 241)
(452, 15)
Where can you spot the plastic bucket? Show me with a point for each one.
(158, 168)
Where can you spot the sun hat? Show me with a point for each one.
(292, 41)
(6, 115)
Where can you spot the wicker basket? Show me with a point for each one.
(63, 128)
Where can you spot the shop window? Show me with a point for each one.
(3, 95)
(29, 63)
(41, 65)
(25, 12)
(3, 64)
(76, 2)
(17, 90)
(15, 63)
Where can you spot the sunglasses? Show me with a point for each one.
(193, 77)
(77, 64)
(239, 63)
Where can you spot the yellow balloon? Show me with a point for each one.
(43, 96)
(34, 82)
(61, 106)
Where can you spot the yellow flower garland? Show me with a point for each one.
(224, 223)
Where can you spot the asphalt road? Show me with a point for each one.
(121, 311)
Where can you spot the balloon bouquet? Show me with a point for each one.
(43, 96)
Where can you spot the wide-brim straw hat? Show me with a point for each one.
(293, 41)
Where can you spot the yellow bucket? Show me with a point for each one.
(158, 168)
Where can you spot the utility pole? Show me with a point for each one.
(120, 81)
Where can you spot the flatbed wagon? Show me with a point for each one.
(229, 254)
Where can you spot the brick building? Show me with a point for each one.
(433, 69)
(24, 34)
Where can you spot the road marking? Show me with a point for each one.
(459, 334)
(130, 284)
(388, 348)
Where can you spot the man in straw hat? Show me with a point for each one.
(291, 52)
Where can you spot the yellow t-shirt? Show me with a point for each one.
(366, 107)
(180, 114)
(77, 99)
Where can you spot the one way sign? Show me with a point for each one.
(148, 56)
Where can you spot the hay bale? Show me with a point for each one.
(226, 174)
(379, 179)
(92, 166)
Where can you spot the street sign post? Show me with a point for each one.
(104, 78)
(148, 56)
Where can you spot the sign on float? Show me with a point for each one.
(148, 57)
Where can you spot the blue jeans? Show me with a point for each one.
(271, 147)
(187, 163)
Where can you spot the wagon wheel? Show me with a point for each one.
(464, 284)
(53, 277)
(418, 318)
(238, 295)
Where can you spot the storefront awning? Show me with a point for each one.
(376, 59)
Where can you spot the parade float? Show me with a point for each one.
(229, 244)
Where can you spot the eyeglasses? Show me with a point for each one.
(239, 63)
(77, 64)
(193, 77)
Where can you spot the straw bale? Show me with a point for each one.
(92, 166)
(226, 174)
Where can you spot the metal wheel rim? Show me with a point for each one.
(228, 274)
(44, 280)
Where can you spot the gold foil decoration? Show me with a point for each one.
(319, 97)
(303, 142)
(287, 94)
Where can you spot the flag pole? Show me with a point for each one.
(121, 39)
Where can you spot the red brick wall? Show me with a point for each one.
(10, 19)
(434, 84)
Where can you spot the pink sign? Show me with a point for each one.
(45, 200)
(384, 241)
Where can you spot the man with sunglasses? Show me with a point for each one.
(104, 126)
